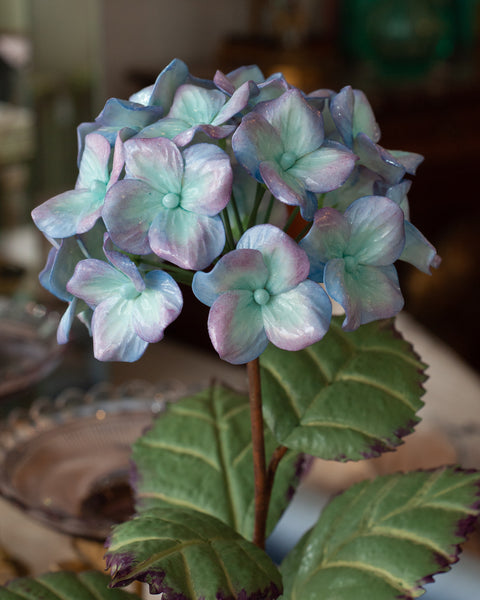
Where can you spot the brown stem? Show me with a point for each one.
(258, 444)
(277, 456)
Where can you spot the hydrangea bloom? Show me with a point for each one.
(281, 143)
(129, 310)
(179, 196)
(197, 109)
(353, 254)
(260, 293)
(191, 174)
(77, 211)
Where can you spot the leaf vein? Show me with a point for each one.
(158, 445)
(377, 385)
(394, 582)
(288, 394)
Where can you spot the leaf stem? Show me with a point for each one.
(181, 275)
(259, 463)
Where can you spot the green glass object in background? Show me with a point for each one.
(404, 39)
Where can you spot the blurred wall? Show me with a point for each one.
(144, 36)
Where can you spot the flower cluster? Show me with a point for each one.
(198, 182)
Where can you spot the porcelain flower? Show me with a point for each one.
(418, 251)
(281, 143)
(197, 109)
(77, 210)
(261, 89)
(130, 310)
(357, 128)
(353, 254)
(169, 201)
(259, 293)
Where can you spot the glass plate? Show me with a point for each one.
(28, 344)
(67, 461)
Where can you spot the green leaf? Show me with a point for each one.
(188, 555)
(198, 455)
(384, 539)
(350, 396)
(90, 585)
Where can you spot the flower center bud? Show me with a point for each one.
(351, 263)
(287, 160)
(171, 200)
(261, 296)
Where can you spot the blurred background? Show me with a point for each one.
(417, 60)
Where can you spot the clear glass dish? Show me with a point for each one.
(28, 344)
(66, 462)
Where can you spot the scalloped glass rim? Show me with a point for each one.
(56, 456)
(28, 344)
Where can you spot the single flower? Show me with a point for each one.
(162, 92)
(261, 89)
(169, 202)
(197, 109)
(418, 251)
(77, 210)
(357, 128)
(118, 117)
(353, 254)
(259, 293)
(130, 310)
(281, 143)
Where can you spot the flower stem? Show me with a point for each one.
(291, 219)
(258, 443)
(304, 232)
(230, 242)
(238, 219)
(277, 456)
(258, 199)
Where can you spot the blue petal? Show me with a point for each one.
(418, 251)
(377, 234)
(187, 240)
(254, 142)
(299, 126)
(124, 202)
(235, 327)
(94, 163)
(366, 294)
(341, 110)
(286, 262)
(242, 269)
(196, 105)
(297, 318)
(157, 162)
(94, 280)
(75, 211)
(207, 180)
(324, 169)
(287, 188)
(114, 337)
(327, 239)
(378, 160)
(158, 306)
